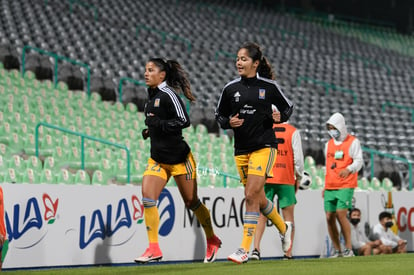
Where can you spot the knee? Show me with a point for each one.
(330, 217)
(250, 198)
(191, 203)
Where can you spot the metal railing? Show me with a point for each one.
(398, 106)
(285, 33)
(82, 4)
(127, 79)
(327, 86)
(57, 57)
(367, 61)
(374, 152)
(164, 35)
(83, 136)
(208, 171)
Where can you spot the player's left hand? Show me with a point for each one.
(276, 117)
(344, 173)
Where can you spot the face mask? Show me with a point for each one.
(389, 224)
(334, 133)
(355, 221)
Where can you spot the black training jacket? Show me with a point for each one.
(252, 98)
(165, 127)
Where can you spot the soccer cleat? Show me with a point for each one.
(255, 255)
(348, 253)
(239, 257)
(287, 237)
(336, 254)
(150, 255)
(213, 245)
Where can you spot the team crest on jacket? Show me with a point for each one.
(157, 102)
(262, 93)
(237, 97)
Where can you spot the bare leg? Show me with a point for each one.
(261, 225)
(152, 187)
(345, 226)
(333, 229)
(188, 190)
(288, 215)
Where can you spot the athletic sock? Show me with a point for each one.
(249, 227)
(270, 212)
(152, 219)
(204, 218)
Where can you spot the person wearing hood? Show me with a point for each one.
(343, 161)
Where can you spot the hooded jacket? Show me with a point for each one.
(354, 152)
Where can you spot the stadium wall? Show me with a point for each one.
(73, 225)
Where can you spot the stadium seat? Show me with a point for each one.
(64, 176)
(12, 176)
(82, 177)
(99, 178)
(30, 176)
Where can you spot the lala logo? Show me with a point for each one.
(115, 223)
(25, 228)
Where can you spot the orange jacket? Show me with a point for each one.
(337, 159)
(284, 167)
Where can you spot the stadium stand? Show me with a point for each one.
(323, 67)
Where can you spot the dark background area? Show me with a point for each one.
(391, 13)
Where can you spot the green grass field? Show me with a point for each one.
(383, 264)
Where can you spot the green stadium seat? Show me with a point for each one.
(375, 184)
(74, 159)
(96, 96)
(3, 165)
(387, 184)
(12, 176)
(4, 150)
(63, 176)
(120, 171)
(119, 107)
(31, 176)
(107, 167)
(132, 108)
(363, 183)
(50, 163)
(17, 163)
(82, 177)
(92, 158)
(47, 176)
(47, 145)
(6, 131)
(99, 178)
(34, 163)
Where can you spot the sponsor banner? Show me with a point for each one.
(63, 225)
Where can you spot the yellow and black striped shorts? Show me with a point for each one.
(258, 163)
(165, 171)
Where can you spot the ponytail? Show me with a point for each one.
(175, 76)
(265, 68)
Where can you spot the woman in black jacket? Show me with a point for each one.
(166, 116)
(250, 105)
